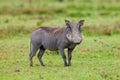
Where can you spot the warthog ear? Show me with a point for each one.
(81, 22)
(67, 22)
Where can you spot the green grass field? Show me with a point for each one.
(96, 58)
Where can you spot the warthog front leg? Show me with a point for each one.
(69, 56)
(63, 56)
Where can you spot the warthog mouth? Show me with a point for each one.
(77, 43)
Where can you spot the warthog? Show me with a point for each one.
(56, 39)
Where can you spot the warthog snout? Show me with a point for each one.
(78, 40)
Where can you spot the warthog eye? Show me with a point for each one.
(69, 28)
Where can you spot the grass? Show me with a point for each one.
(11, 25)
(97, 58)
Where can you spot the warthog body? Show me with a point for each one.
(56, 39)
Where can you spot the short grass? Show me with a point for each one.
(96, 58)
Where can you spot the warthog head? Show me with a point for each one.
(74, 31)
